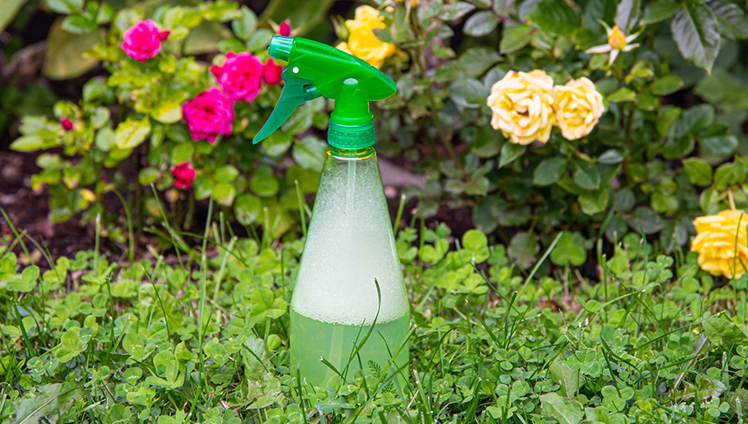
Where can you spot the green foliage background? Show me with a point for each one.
(662, 153)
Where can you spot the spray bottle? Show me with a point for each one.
(350, 242)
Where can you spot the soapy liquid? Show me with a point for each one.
(312, 339)
(349, 246)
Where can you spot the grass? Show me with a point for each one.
(91, 340)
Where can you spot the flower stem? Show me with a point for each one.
(731, 199)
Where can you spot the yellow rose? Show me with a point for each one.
(579, 108)
(715, 242)
(522, 105)
(362, 42)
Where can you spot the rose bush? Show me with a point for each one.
(593, 120)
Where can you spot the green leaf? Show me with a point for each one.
(692, 121)
(300, 120)
(569, 250)
(549, 171)
(65, 7)
(8, 12)
(231, 45)
(310, 153)
(594, 202)
(611, 157)
(259, 40)
(626, 14)
(265, 305)
(456, 10)
(65, 57)
(723, 332)
(622, 95)
(168, 112)
(717, 147)
(598, 10)
(147, 176)
(224, 193)
(515, 37)
(666, 85)
(246, 24)
(264, 185)
(30, 143)
(181, 152)
(486, 143)
(481, 24)
(474, 240)
(733, 22)
(724, 176)
(476, 243)
(247, 209)
(469, 92)
(79, 24)
(586, 175)
(475, 61)
(132, 133)
(659, 11)
(509, 153)
(225, 173)
(554, 16)
(646, 220)
(696, 33)
(563, 410)
(567, 378)
(277, 143)
(50, 400)
(522, 248)
(698, 171)
(26, 282)
(203, 187)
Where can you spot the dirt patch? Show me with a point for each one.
(28, 209)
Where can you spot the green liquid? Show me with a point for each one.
(312, 340)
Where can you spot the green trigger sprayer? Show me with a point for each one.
(350, 243)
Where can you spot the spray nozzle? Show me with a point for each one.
(316, 69)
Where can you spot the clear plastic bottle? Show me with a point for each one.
(350, 243)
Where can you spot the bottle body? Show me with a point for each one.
(349, 244)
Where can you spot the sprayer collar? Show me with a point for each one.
(351, 136)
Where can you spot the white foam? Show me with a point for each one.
(349, 244)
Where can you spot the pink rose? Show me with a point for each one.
(272, 72)
(209, 114)
(285, 28)
(143, 40)
(183, 176)
(67, 124)
(240, 76)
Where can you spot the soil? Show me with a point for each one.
(28, 209)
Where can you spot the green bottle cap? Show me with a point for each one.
(315, 69)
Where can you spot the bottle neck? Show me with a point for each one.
(351, 154)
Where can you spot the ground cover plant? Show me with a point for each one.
(204, 338)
